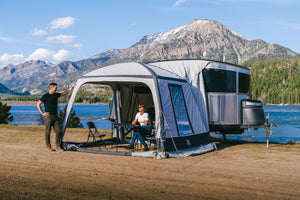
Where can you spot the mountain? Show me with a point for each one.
(34, 76)
(21, 77)
(201, 39)
(7, 91)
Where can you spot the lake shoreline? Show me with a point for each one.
(31, 103)
(287, 119)
(14, 103)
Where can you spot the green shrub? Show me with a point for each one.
(5, 116)
(74, 121)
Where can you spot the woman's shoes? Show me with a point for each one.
(131, 146)
(146, 148)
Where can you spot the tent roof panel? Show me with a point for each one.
(132, 69)
(187, 69)
(122, 69)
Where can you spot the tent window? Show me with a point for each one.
(179, 107)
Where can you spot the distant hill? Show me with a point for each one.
(205, 39)
(34, 76)
(5, 90)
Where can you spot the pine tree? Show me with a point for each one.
(5, 116)
(74, 121)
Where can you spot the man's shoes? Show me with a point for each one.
(59, 149)
(50, 149)
(146, 148)
(131, 146)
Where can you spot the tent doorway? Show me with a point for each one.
(128, 97)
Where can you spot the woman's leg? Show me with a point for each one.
(131, 145)
(146, 130)
(133, 137)
(139, 136)
(141, 139)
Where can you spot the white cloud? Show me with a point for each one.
(39, 32)
(62, 38)
(6, 39)
(11, 59)
(39, 54)
(78, 45)
(48, 55)
(178, 2)
(62, 55)
(63, 22)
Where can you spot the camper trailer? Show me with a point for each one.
(230, 108)
(225, 93)
(186, 99)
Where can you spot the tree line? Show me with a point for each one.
(275, 81)
(94, 94)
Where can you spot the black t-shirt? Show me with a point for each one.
(50, 102)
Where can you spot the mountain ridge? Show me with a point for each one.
(5, 90)
(201, 39)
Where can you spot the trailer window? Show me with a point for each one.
(179, 107)
(244, 83)
(218, 80)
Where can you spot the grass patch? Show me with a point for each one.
(19, 133)
(21, 127)
(20, 137)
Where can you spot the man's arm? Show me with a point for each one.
(38, 105)
(68, 90)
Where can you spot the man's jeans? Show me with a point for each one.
(142, 131)
(51, 121)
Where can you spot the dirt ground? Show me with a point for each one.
(237, 170)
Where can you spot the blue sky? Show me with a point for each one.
(57, 30)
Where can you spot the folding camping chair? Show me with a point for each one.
(93, 132)
(151, 138)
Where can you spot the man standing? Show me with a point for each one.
(50, 114)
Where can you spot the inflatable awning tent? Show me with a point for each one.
(172, 89)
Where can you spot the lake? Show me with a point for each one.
(287, 119)
(29, 115)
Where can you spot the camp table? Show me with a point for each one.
(123, 129)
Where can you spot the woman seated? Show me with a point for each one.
(141, 118)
